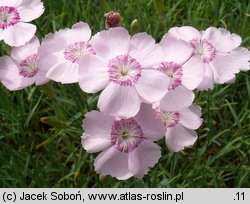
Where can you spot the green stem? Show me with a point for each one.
(208, 115)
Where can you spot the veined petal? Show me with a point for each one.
(30, 10)
(208, 79)
(190, 118)
(146, 155)
(179, 137)
(177, 99)
(80, 32)
(97, 131)
(175, 50)
(193, 73)
(222, 39)
(111, 43)
(10, 75)
(41, 79)
(116, 100)
(93, 74)
(186, 33)
(21, 53)
(152, 127)
(19, 34)
(14, 3)
(152, 85)
(114, 163)
(144, 49)
(224, 68)
(65, 72)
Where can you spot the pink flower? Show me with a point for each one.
(127, 144)
(61, 53)
(177, 126)
(185, 74)
(123, 67)
(20, 70)
(219, 51)
(14, 17)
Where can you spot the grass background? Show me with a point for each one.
(40, 127)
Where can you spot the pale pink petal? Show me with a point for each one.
(175, 50)
(41, 78)
(195, 109)
(94, 144)
(21, 53)
(114, 163)
(152, 127)
(47, 61)
(97, 131)
(177, 99)
(97, 124)
(152, 85)
(92, 64)
(19, 34)
(51, 44)
(119, 100)
(93, 75)
(193, 73)
(208, 79)
(50, 52)
(222, 39)
(65, 72)
(146, 155)
(145, 51)
(224, 68)
(1, 34)
(80, 32)
(190, 119)
(14, 3)
(10, 76)
(93, 82)
(179, 137)
(7, 65)
(240, 59)
(186, 33)
(111, 43)
(30, 10)
(23, 83)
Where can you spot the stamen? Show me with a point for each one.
(169, 119)
(75, 52)
(124, 70)
(28, 67)
(174, 71)
(126, 135)
(204, 49)
(9, 16)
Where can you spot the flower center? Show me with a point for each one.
(204, 49)
(173, 71)
(9, 16)
(169, 119)
(124, 70)
(126, 135)
(76, 51)
(28, 67)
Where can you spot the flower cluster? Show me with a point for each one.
(146, 88)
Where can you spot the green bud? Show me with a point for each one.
(52, 121)
(134, 27)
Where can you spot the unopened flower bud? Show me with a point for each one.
(134, 27)
(51, 121)
(113, 19)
